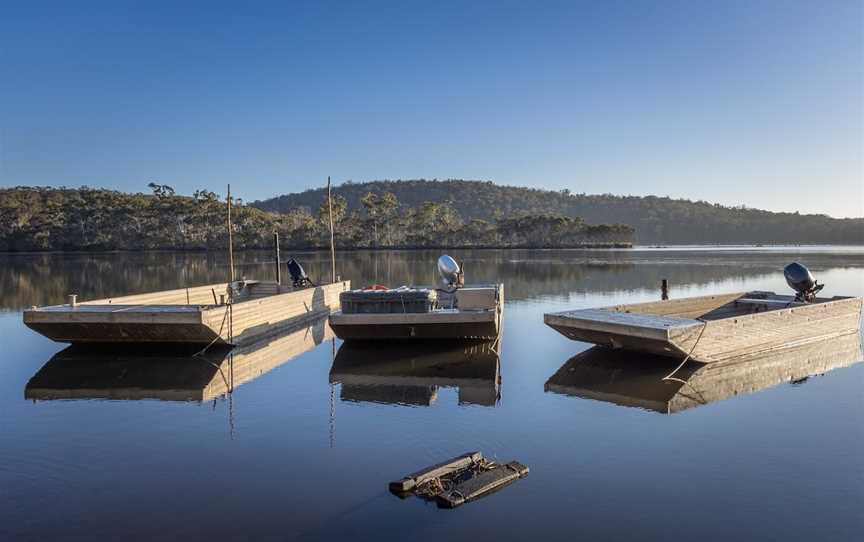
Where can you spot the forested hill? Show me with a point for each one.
(39, 218)
(656, 219)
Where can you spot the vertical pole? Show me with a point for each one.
(332, 240)
(664, 289)
(278, 259)
(230, 240)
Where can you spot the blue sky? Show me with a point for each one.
(757, 103)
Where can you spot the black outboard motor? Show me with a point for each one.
(801, 280)
(298, 275)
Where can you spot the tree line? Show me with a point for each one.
(656, 220)
(49, 219)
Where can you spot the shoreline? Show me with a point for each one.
(593, 246)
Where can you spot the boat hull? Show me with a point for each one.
(712, 328)
(462, 324)
(371, 327)
(131, 319)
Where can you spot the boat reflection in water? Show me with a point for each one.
(636, 380)
(411, 373)
(170, 375)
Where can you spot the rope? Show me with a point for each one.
(219, 336)
(701, 331)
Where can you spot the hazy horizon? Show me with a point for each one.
(737, 103)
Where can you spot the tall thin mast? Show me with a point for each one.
(230, 240)
(332, 240)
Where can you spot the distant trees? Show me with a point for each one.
(655, 219)
(161, 190)
(381, 209)
(92, 219)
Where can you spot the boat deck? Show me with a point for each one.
(115, 308)
(187, 315)
(711, 328)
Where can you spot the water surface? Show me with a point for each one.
(303, 448)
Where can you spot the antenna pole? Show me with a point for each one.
(332, 240)
(230, 240)
(278, 263)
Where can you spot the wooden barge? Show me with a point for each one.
(712, 328)
(85, 372)
(635, 379)
(472, 312)
(187, 315)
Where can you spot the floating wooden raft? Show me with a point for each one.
(712, 328)
(187, 315)
(635, 379)
(459, 480)
(473, 312)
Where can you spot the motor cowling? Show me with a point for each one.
(298, 274)
(450, 271)
(799, 278)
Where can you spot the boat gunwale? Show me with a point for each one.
(564, 318)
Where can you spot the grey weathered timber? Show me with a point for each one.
(451, 466)
(712, 328)
(635, 379)
(440, 323)
(186, 315)
(482, 484)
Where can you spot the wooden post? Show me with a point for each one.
(278, 259)
(230, 240)
(664, 290)
(332, 240)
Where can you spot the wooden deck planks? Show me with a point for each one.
(730, 330)
(129, 319)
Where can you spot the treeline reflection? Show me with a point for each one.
(44, 279)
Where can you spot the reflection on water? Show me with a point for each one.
(410, 373)
(312, 443)
(131, 373)
(46, 279)
(636, 379)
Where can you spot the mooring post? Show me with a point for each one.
(278, 259)
(73, 300)
(664, 289)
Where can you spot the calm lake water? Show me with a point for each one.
(305, 445)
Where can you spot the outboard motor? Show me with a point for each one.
(451, 274)
(298, 275)
(801, 280)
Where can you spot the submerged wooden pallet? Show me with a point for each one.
(451, 466)
(465, 476)
(482, 484)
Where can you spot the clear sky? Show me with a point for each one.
(757, 102)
